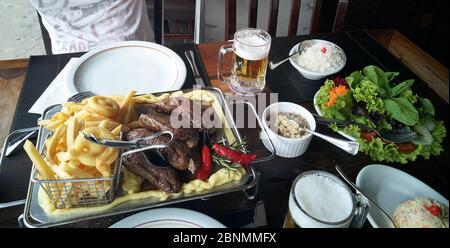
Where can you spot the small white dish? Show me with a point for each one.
(288, 147)
(312, 74)
(316, 107)
(168, 218)
(389, 187)
(120, 67)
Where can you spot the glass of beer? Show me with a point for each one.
(319, 199)
(250, 50)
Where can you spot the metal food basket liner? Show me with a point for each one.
(91, 192)
(83, 192)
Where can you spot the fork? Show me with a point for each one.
(395, 137)
(80, 96)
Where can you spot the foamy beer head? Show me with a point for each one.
(251, 50)
(252, 44)
(320, 199)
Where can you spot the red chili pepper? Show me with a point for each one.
(206, 164)
(434, 210)
(323, 50)
(233, 155)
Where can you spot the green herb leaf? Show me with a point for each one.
(385, 125)
(427, 106)
(402, 110)
(424, 136)
(391, 75)
(378, 77)
(353, 79)
(399, 88)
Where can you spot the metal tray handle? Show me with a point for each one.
(8, 139)
(251, 192)
(272, 155)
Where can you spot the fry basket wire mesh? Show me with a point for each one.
(90, 192)
(82, 192)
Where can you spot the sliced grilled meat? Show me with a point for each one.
(191, 111)
(196, 158)
(161, 122)
(165, 106)
(177, 154)
(165, 178)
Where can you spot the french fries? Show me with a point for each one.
(103, 106)
(54, 140)
(68, 155)
(45, 172)
(127, 107)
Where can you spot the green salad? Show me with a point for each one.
(371, 97)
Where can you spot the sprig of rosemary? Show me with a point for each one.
(227, 164)
(236, 145)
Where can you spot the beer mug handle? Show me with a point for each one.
(362, 209)
(222, 51)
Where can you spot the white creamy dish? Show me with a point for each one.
(321, 57)
(421, 212)
(323, 198)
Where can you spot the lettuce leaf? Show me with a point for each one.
(340, 110)
(373, 87)
(367, 92)
(379, 151)
(378, 77)
(402, 110)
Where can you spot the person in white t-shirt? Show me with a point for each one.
(81, 25)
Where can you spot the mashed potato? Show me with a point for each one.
(421, 213)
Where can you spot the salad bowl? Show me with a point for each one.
(374, 98)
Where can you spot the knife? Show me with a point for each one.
(191, 59)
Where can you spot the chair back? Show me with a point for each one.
(230, 16)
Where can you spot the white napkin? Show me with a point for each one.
(55, 93)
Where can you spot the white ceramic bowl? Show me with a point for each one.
(311, 74)
(288, 147)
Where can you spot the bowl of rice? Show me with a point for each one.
(318, 58)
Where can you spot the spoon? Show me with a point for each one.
(372, 202)
(300, 48)
(346, 145)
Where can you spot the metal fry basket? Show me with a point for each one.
(91, 192)
(82, 192)
(75, 193)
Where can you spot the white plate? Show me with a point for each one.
(129, 65)
(316, 107)
(168, 218)
(389, 187)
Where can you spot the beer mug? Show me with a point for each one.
(249, 64)
(319, 199)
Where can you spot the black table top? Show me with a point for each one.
(277, 175)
